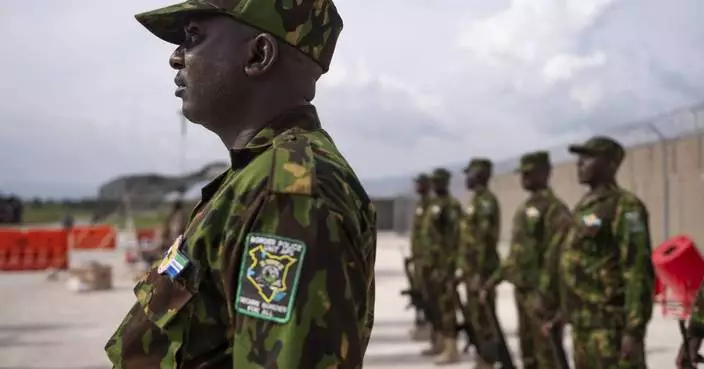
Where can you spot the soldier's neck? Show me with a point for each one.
(603, 185)
(480, 188)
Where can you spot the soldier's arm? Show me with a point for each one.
(486, 235)
(509, 264)
(557, 225)
(635, 251)
(696, 320)
(319, 312)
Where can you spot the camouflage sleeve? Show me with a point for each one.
(557, 225)
(301, 291)
(634, 246)
(509, 265)
(486, 235)
(696, 320)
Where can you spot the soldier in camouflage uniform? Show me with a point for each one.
(605, 273)
(537, 226)
(695, 333)
(478, 255)
(442, 230)
(421, 331)
(276, 266)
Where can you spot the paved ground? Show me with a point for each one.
(45, 326)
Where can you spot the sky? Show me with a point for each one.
(88, 93)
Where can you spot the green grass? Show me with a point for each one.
(55, 213)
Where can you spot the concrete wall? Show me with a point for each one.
(642, 173)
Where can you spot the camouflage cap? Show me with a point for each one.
(422, 178)
(600, 145)
(311, 26)
(441, 174)
(479, 164)
(534, 160)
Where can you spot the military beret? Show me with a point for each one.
(422, 178)
(479, 164)
(441, 174)
(534, 160)
(600, 145)
(310, 26)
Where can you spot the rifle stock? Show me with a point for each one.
(466, 325)
(500, 352)
(558, 350)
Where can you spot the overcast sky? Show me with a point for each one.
(88, 94)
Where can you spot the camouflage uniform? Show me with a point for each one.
(538, 225)
(276, 266)
(442, 225)
(479, 256)
(418, 247)
(605, 271)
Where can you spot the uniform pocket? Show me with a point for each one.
(162, 298)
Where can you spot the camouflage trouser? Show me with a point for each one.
(600, 348)
(479, 317)
(429, 299)
(536, 352)
(441, 293)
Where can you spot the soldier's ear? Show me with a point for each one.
(263, 53)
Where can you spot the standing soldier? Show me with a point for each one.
(538, 225)
(421, 331)
(606, 276)
(479, 257)
(276, 266)
(442, 227)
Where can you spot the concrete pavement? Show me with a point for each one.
(45, 326)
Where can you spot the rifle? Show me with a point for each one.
(558, 350)
(466, 326)
(412, 291)
(498, 350)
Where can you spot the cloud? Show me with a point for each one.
(413, 85)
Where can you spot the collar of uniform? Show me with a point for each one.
(540, 194)
(304, 117)
(599, 193)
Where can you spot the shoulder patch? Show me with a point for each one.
(269, 274)
(532, 212)
(174, 261)
(634, 222)
(293, 164)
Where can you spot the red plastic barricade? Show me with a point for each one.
(679, 268)
(146, 235)
(12, 242)
(36, 249)
(46, 249)
(94, 238)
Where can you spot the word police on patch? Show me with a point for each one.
(271, 267)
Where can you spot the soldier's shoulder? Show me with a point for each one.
(629, 200)
(308, 163)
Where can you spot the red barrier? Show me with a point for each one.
(679, 268)
(46, 249)
(12, 243)
(33, 249)
(146, 235)
(94, 238)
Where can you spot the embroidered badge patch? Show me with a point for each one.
(469, 210)
(591, 220)
(435, 209)
(271, 267)
(419, 211)
(174, 262)
(635, 224)
(532, 212)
